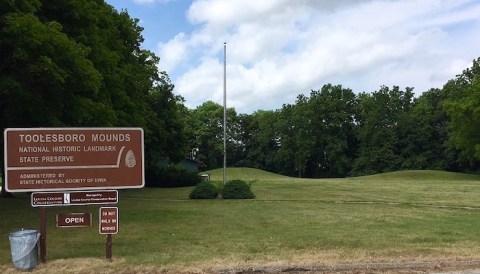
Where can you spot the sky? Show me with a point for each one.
(278, 49)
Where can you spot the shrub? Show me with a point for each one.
(204, 190)
(171, 177)
(237, 189)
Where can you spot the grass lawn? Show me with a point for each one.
(401, 216)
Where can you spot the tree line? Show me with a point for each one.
(335, 132)
(79, 63)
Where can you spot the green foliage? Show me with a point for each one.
(165, 136)
(204, 190)
(259, 140)
(463, 108)
(382, 117)
(46, 72)
(219, 185)
(171, 176)
(78, 63)
(334, 133)
(205, 128)
(237, 189)
(423, 134)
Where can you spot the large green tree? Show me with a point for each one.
(423, 134)
(380, 119)
(205, 127)
(46, 78)
(290, 158)
(316, 135)
(463, 107)
(80, 63)
(166, 122)
(260, 140)
(330, 114)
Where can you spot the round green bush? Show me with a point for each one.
(204, 190)
(237, 189)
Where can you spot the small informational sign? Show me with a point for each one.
(74, 219)
(74, 198)
(108, 223)
(62, 159)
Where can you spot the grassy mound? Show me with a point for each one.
(250, 174)
(421, 175)
(244, 173)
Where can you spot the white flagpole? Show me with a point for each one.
(224, 113)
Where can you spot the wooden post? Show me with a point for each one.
(108, 247)
(43, 234)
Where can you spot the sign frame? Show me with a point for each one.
(89, 158)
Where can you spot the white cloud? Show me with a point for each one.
(278, 49)
(220, 12)
(202, 83)
(173, 52)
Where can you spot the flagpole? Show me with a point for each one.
(224, 113)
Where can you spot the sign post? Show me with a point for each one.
(43, 234)
(108, 224)
(108, 248)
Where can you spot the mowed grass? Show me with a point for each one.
(401, 216)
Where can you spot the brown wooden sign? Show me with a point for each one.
(108, 223)
(74, 198)
(74, 220)
(49, 159)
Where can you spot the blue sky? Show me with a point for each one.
(161, 20)
(278, 49)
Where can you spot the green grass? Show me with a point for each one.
(395, 216)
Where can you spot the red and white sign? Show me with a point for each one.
(74, 219)
(49, 159)
(108, 223)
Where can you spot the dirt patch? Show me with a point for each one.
(119, 266)
(360, 268)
